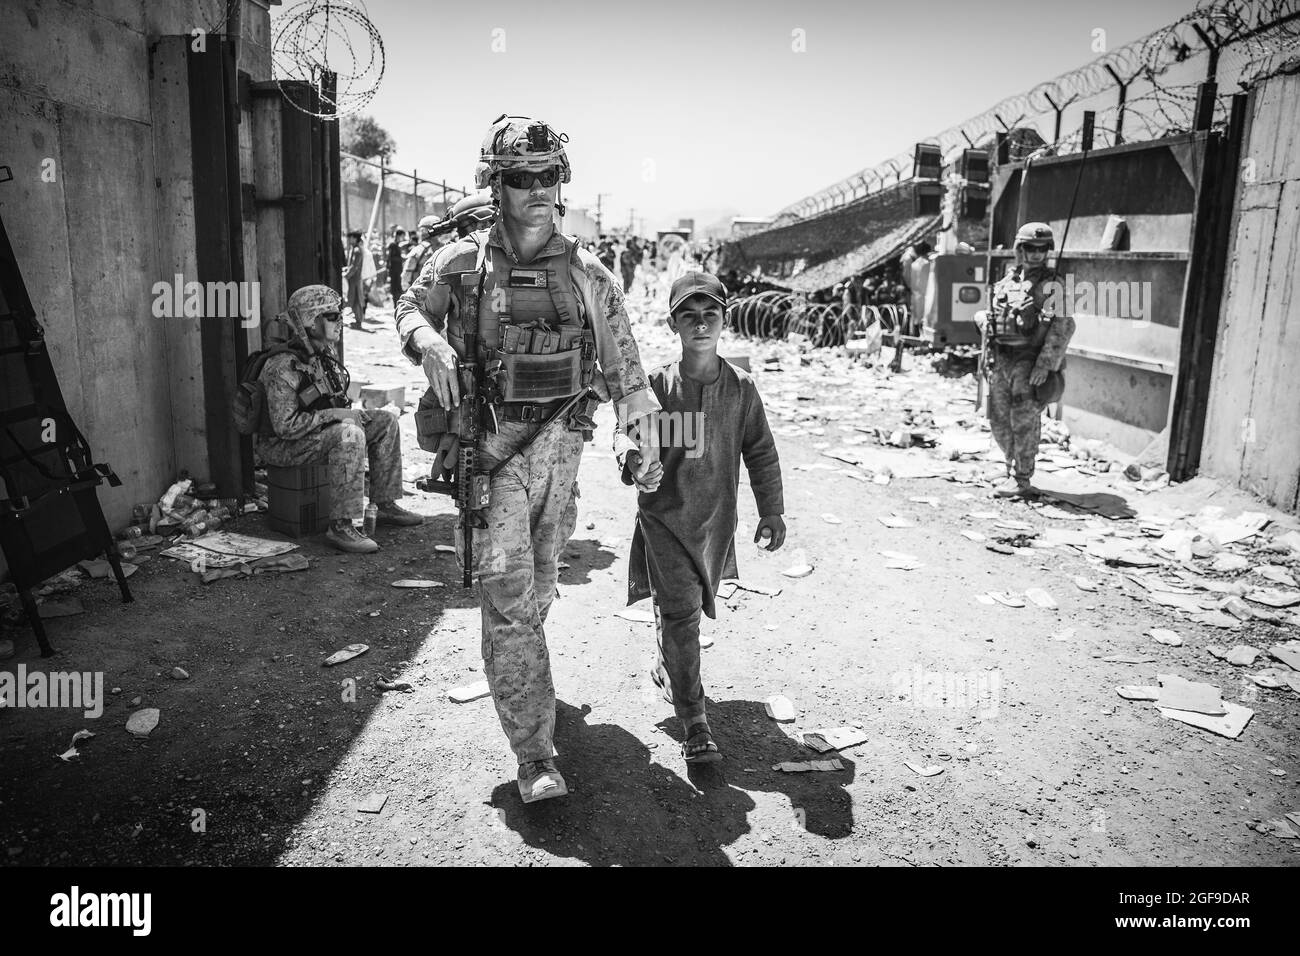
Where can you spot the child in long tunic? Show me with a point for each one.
(684, 545)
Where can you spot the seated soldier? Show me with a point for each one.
(308, 422)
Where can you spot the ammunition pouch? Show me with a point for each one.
(432, 421)
(540, 365)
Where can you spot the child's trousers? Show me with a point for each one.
(677, 633)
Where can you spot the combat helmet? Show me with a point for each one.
(313, 300)
(1039, 233)
(519, 142)
(473, 212)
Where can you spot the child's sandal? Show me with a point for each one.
(699, 746)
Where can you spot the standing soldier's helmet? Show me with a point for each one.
(312, 301)
(1038, 233)
(426, 226)
(519, 142)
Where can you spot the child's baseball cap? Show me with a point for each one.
(696, 283)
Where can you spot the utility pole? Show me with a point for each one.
(599, 197)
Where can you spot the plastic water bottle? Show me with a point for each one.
(371, 519)
(132, 531)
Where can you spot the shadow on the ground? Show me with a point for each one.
(626, 809)
(583, 557)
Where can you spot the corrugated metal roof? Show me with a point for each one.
(865, 256)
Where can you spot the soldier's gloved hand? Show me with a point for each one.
(446, 457)
(439, 363)
(1038, 377)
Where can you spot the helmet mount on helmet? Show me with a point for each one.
(520, 142)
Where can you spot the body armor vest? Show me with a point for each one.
(533, 337)
(1020, 311)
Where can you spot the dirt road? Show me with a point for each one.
(258, 759)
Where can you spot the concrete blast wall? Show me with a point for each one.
(1251, 438)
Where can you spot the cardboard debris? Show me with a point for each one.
(1243, 655)
(1279, 827)
(810, 765)
(349, 652)
(1230, 725)
(834, 738)
(1273, 678)
(1288, 654)
(1274, 597)
(1177, 693)
(474, 691)
(1277, 575)
(417, 583)
(779, 708)
(373, 803)
(1217, 619)
(1138, 692)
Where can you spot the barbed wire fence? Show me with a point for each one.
(335, 48)
(1144, 90)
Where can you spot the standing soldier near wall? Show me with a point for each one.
(1024, 355)
(550, 324)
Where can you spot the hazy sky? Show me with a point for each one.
(702, 108)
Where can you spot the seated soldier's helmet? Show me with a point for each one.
(1039, 233)
(313, 300)
(475, 211)
(519, 142)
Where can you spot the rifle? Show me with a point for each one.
(329, 379)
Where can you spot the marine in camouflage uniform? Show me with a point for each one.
(302, 427)
(544, 300)
(1026, 354)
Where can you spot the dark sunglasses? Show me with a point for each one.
(524, 178)
(1035, 247)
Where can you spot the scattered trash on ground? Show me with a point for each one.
(807, 766)
(143, 722)
(349, 652)
(779, 708)
(463, 695)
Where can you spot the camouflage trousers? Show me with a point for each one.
(1015, 416)
(346, 448)
(530, 519)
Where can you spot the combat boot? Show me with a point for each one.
(344, 536)
(540, 780)
(389, 512)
